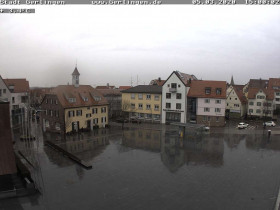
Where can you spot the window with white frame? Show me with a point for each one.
(103, 110)
(57, 126)
(207, 100)
(168, 95)
(148, 97)
(148, 106)
(178, 96)
(259, 103)
(218, 110)
(132, 106)
(156, 97)
(94, 111)
(251, 103)
(79, 113)
(132, 95)
(218, 101)
(250, 110)
(206, 109)
(140, 96)
(178, 105)
(260, 97)
(168, 105)
(156, 107)
(140, 106)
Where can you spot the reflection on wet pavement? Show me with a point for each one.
(149, 169)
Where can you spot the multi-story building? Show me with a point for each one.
(37, 94)
(174, 97)
(5, 94)
(274, 87)
(236, 103)
(207, 102)
(71, 108)
(260, 103)
(19, 98)
(263, 98)
(114, 98)
(142, 102)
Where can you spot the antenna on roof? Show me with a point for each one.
(76, 62)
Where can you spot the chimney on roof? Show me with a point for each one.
(159, 79)
(108, 85)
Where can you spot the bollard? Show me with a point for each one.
(269, 133)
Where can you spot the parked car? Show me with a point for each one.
(269, 123)
(242, 125)
(135, 120)
(122, 120)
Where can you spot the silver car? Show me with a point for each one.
(242, 125)
(269, 123)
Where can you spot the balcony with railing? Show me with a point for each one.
(172, 90)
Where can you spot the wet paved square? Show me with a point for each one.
(150, 169)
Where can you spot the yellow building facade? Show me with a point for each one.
(142, 102)
(85, 117)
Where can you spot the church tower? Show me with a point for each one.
(75, 77)
(232, 81)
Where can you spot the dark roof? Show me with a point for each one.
(197, 89)
(144, 89)
(76, 72)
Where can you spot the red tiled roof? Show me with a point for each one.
(197, 89)
(252, 92)
(20, 85)
(7, 160)
(158, 82)
(273, 82)
(239, 92)
(64, 92)
(124, 87)
(185, 77)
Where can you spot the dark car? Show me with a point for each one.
(135, 120)
(122, 120)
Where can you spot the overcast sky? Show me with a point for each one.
(113, 44)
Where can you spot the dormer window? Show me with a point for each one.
(72, 100)
(85, 99)
(207, 90)
(11, 88)
(97, 98)
(218, 91)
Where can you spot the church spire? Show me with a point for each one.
(231, 82)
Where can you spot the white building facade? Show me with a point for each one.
(260, 105)
(174, 97)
